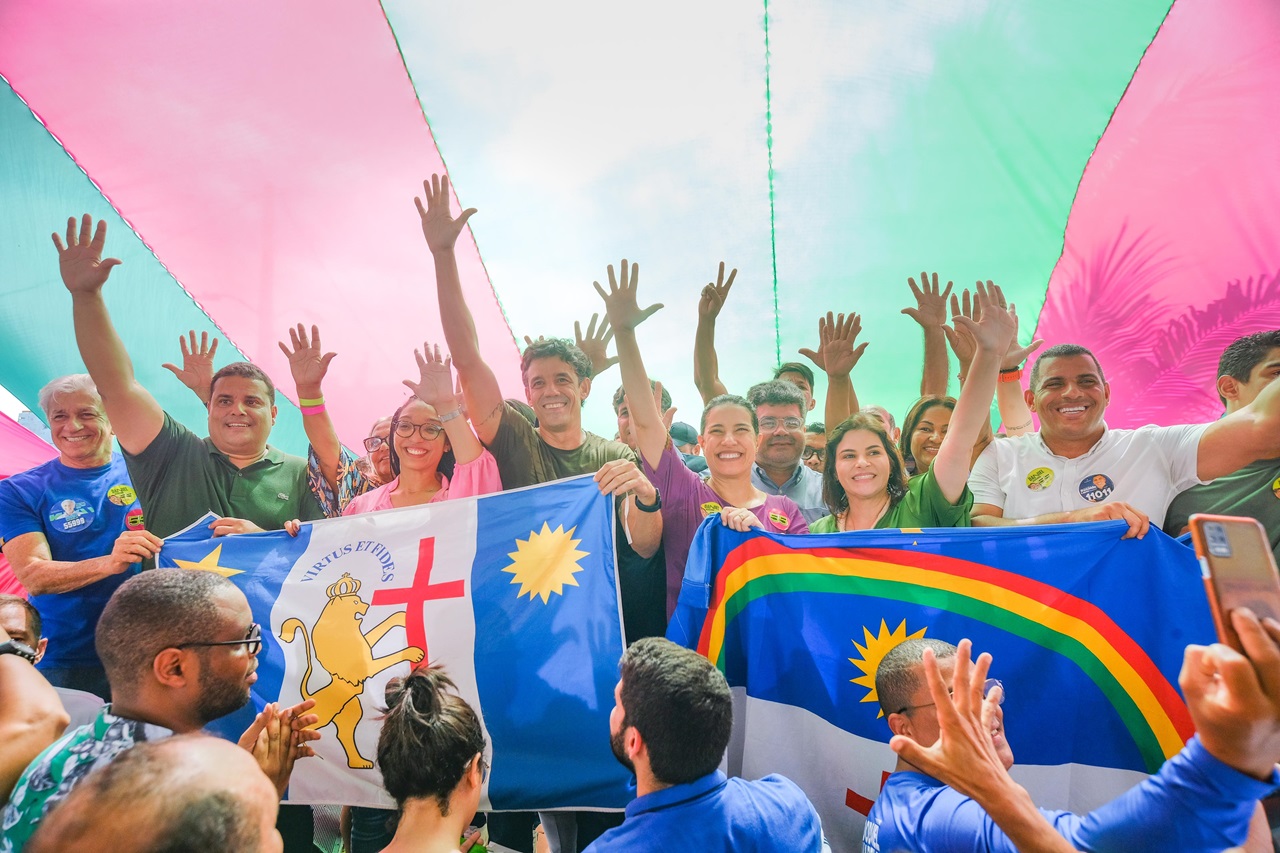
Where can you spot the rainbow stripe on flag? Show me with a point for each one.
(1087, 631)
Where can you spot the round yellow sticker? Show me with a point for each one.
(1275, 487)
(710, 508)
(1039, 479)
(779, 519)
(121, 495)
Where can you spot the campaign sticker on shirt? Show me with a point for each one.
(122, 495)
(779, 519)
(1275, 487)
(71, 515)
(1096, 487)
(710, 508)
(1040, 478)
(133, 519)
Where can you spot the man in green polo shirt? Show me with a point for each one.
(1247, 366)
(178, 475)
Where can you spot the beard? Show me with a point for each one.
(618, 744)
(219, 696)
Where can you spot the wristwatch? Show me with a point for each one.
(22, 650)
(653, 507)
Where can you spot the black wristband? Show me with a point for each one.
(22, 650)
(653, 507)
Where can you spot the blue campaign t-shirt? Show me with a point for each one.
(81, 512)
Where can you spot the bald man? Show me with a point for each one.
(190, 792)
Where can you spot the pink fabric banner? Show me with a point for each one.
(1173, 244)
(20, 448)
(268, 153)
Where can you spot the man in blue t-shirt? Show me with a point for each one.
(73, 531)
(1202, 799)
(670, 725)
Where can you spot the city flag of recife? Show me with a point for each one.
(515, 594)
(1087, 633)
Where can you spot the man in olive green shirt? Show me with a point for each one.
(178, 475)
(1247, 366)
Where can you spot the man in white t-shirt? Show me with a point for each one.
(1077, 469)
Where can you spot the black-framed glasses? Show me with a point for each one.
(252, 641)
(811, 452)
(373, 442)
(484, 769)
(987, 686)
(790, 424)
(429, 431)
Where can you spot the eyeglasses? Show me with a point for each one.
(429, 431)
(987, 686)
(252, 641)
(484, 769)
(373, 442)
(790, 424)
(811, 452)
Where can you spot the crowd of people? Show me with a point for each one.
(109, 671)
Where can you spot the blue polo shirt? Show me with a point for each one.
(804, 487)
(716, 813)
(81, 512)
(1195, 803)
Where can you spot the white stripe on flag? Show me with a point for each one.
(827, 762)
(381, 551)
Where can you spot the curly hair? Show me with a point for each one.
(560, 348)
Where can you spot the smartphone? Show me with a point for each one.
(1238, 567)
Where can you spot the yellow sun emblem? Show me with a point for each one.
(545, 562)
(209, 563)
(874, 651)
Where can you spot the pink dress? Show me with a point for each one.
(477, 477)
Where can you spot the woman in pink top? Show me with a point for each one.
(435, 454)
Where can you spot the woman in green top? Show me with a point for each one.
(864, 479)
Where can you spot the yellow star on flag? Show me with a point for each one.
(209, 563)
(546, 562)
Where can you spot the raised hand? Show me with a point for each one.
(1016, 355)
(620, 301)
(1234, 699)
(838, 351)
(715, 294)
(595, 344)
(435, 378)
(994, 328)
(308, 362)
(80, 261)
(439, 226)
(197, 362)
(931, 306)
(964, 755)
(668, 415)
(528, 341)
(958, 334)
